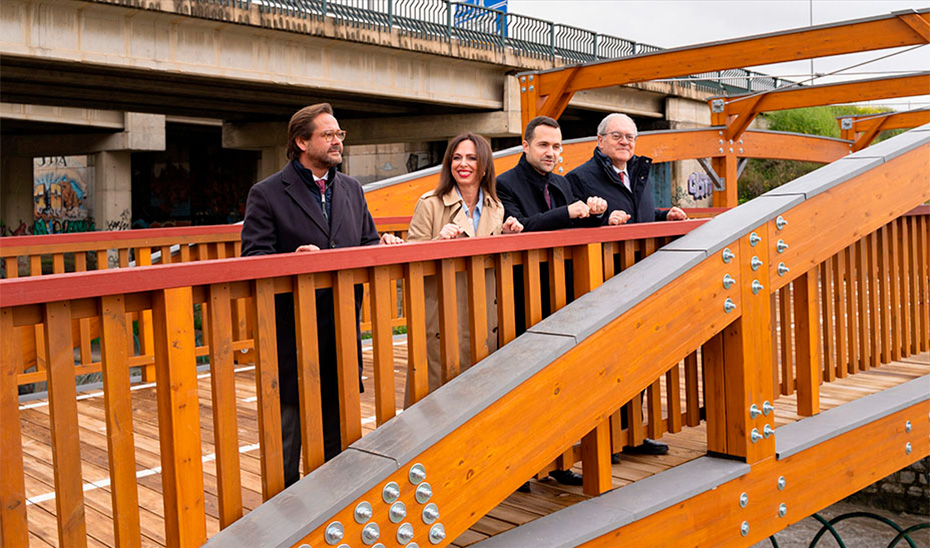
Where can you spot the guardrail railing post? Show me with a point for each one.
(449, 19)
(552, 41)
(390, 14)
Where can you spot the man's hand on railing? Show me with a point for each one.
(578, 210)
(305, 248)
(618, 217)
(596, 205)
(390, 239)
(512, 226)
(676, 214)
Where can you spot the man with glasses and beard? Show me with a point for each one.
(306, 207)
(622, 178)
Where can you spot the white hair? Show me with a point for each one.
(602, 127)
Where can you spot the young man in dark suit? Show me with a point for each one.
(306, 207)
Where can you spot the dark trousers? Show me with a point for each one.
(290, 436)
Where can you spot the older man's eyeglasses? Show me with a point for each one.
(328, 136)
(617, 136)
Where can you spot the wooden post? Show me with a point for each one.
(807, 343)
(383, 294)
(415, 311)
(117, 405)
(308, 373)
(477, 308)
(146, 336)
(350, 411)
(63, 425)
(448, 320)
(12, 479)
(266, 387)
(179, 417)
(223, 392)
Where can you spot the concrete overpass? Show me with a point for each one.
(106, 78)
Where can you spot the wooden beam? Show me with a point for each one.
(887, 31)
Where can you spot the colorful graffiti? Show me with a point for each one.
(61, 195)
(700, 185)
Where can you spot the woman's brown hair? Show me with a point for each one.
(485, 168)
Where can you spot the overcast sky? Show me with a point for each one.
(672, 23)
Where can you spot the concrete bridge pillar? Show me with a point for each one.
(16, 204)
(688, 178)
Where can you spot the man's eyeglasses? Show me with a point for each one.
(328, 136)
(617, 136)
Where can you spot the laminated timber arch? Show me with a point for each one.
(481, 434)
(863, 129)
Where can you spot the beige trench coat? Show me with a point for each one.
(433, 212)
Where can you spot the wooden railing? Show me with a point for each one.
(480, 436)
(169, 293)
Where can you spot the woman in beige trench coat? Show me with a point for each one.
(463, 205)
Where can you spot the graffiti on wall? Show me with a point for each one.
(699, 185)
(61, 196)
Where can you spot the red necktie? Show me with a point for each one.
(322, 184)
(623, 180)
(547, 196)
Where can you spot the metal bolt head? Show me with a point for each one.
(754, 411)
(404, 533)
(755, 262)
(743, 500)
(437, 533)
(907, 448)
(731, 141)
(727, 255)
(532, 88)
(430, 513)
(741, 150)
(720, 150)
(305, 546)
(729, 305)
(907, 427)
(783, 269)
(780, 222)
(728, 281)
(363, 512)
(531, 77)
(768, 431)
(731, 150)
(846, 123)
(782, 483)
(782, 510)
(398, 512)
(391, 492)
(561, 169)
(755, 435)
(522, 89)
(417, 473)
(756, 287)
(370, 533)
(767, 408)
(781, 246)
(716, 106)
(412, 545)
(523, 78)
(740, 141)
(334, 533)
(744, 528)
(424, 492)
(754, 239)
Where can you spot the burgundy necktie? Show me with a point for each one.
(547, 196)
(623, 180)
(322, 184)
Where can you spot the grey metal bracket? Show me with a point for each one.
(741, 166)
(719, 184)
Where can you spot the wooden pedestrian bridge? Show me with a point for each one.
(782, 347)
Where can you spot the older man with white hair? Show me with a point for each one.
(617, 175)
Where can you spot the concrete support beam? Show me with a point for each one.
(16, 205)
(84, 117)
(139, 132)
(691, 187)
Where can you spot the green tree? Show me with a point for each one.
(762, 175)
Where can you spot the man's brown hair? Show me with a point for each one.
(302, 125)
(535, 123)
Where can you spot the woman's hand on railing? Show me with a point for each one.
(450, 231)
(390, 239)
(512, 226)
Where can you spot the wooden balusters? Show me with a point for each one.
(179, 417)
(839, 312)
(218, 336)
(383, 296)
(347, 356)
(415, 308)
(807, 343)
(63, 425)
(114, 350)
(477, 307)
(448, 320)
(532, 292)
(266, 387)
(308, 372)
(506, 323)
